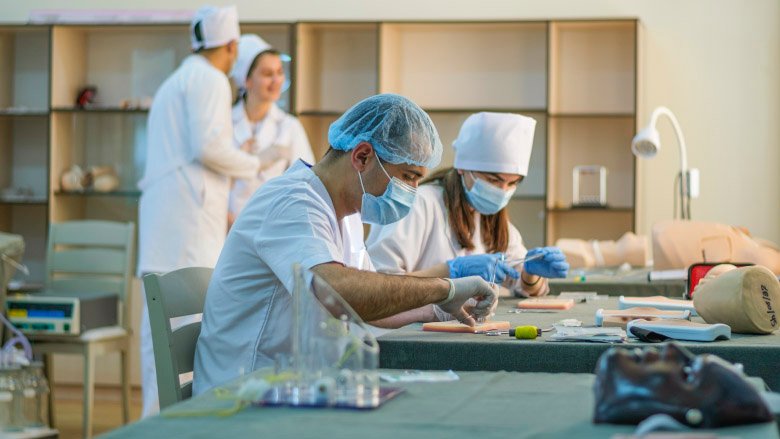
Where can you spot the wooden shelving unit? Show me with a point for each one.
(24, 126)
(577, 78)
(592, 118)
(465, 66)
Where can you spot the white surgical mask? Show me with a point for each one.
(394, 204)
(485, 197)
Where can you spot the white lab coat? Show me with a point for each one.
(424, 238)
(247, 316)
(276, 129)
(190, 159)
(189, 162)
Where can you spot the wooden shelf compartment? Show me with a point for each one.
(588, 224)
(529, 218)
(108, 208)
(593, 67)
(122, 62)
(101, 139)
(602, 141)
(335, 64)
(24, 156)
(466, 65)
(24, 72)
(316, 127)
(29, 221)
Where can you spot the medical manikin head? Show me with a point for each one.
(699, 391)
(393, 143)
(746, 298)
(492, 154)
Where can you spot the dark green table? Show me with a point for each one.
(614, 282)
(480, 404)
(411, 348)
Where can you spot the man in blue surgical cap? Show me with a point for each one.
(379, 150)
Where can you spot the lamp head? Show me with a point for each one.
(646, 143)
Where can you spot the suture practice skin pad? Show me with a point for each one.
(456, 326)
(557, 304)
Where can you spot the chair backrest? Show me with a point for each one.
(175, 294)
(92, 256)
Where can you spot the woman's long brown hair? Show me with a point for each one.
(494, 228)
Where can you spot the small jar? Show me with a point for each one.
(35, 391)
(11, 398)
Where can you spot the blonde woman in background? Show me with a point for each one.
(260, 127)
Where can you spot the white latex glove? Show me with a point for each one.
(442, 316)
(461, 290)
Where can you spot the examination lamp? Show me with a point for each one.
(647, 143)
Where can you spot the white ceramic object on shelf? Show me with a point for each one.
(72, 179)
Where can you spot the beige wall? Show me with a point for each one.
(715, 63)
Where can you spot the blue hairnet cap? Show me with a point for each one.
(397, 128)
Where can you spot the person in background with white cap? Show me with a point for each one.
(379, 150)
(270, 134)
(459, 225)
(190, 160)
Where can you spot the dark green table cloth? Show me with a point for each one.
(479, 405)
(614, 282)
(412, 348)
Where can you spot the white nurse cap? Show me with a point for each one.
(495, 142)
(213, 27)
(249, 46)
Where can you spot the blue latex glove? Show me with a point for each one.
(552, 265)
(482, 266)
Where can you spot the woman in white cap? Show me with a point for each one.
(459, 225)
(260, 127)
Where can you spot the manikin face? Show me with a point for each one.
(700, 391)
(266, 79)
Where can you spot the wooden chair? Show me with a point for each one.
(179, 293)
(90, 257)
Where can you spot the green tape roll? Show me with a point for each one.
(528, 332)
